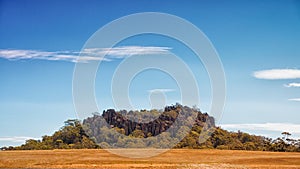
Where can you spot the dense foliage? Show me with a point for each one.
(74, 135)
(125, 129)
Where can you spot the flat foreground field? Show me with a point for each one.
(177, 158)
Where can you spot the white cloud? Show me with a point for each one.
(91, 54)
(13, 54)
(277, 127)
(161, 90)
(124, 51)
(295, 99)
(16, 139)
(275, 74)
(292, 85)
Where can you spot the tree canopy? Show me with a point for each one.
(85, 135)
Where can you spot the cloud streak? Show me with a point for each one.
(16, 54)
(277, 127)
(161, 90)
(17, 139)
(277, 74)
(292, 85)
(124, 51)
(90, 54)
(295, 99)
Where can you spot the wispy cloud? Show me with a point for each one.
(274, 74)
(15, 54)
(295, 99)
(277, 127)
(17, 139)
(90, 54)
(292, 85)
(161, 90)
(124, 51)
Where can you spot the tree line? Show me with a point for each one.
(89, 135)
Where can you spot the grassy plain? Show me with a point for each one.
(176, 158)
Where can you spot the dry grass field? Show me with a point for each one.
(177, 158)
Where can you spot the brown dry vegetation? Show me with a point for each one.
(176, 158)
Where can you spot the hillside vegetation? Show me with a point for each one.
(158, 131)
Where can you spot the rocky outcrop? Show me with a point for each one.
(157, 126)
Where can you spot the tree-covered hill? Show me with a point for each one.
(156, 127)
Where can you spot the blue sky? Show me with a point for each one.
(257, 42)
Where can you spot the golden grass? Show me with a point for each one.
(176, 158)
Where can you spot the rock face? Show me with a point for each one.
(131, 121)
